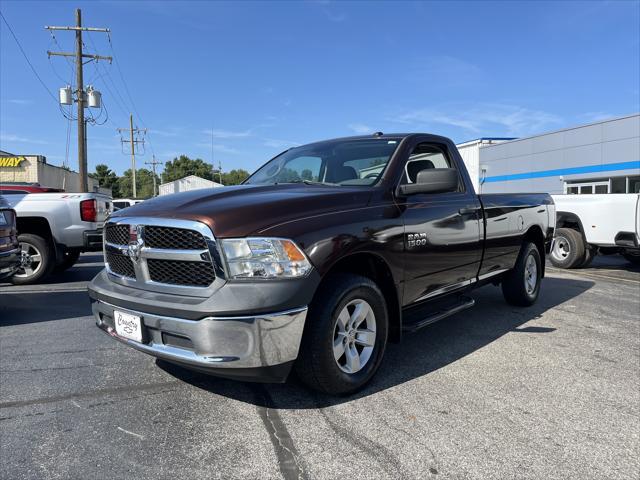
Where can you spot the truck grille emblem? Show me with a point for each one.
(136, 242)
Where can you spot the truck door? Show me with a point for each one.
(443, 246)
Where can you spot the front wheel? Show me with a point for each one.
(521, 285)
(345, 335)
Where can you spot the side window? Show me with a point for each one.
(423, 157)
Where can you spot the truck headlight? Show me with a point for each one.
(253, 257)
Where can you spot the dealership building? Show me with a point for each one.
(35, 169)
(601, 157)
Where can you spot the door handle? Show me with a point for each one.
(468, 211)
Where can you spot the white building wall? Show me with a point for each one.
(470, 153)
(186, 184)
(602, 150)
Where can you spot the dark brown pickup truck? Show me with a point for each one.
(323, 255)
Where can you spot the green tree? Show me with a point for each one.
(144, 183)
(234, 177)
(107, 178)
(184, 166)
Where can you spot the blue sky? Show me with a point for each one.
(264, 76)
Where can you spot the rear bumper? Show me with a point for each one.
(9, 263)
(259, 347)
(92, 240)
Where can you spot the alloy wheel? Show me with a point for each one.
(531, 274)
(354, 336)
(30, 260)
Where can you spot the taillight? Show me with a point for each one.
(89, 210)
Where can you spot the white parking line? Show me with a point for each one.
(593, 275)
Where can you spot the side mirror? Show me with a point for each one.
(432, 180)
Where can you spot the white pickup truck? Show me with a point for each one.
(54, 228)
(590, 224)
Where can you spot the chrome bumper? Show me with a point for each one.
(214, 343)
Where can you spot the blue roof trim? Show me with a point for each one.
(605, 167)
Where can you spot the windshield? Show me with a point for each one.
(336, 162)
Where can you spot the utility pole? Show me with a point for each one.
(153, 164)
(80, 93)
(137, 131)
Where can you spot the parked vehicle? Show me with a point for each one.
(9, 248)
(589, 224)
(25, 187)
(316, 261)
(120, 203)
(54, 228)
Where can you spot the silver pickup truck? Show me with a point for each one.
(54, 228)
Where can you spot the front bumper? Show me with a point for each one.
(260, 347)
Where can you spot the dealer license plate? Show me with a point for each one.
(128, 326)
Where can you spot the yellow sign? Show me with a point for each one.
(11, 161)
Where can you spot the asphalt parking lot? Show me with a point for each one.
(494, 392)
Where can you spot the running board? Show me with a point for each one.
(436, 311)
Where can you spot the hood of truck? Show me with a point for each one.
(248, 209)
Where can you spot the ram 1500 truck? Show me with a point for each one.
(323, 255)
(54, 228)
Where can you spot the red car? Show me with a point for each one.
(18, 188)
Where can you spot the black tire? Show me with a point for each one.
(45, 264)
(69, 260)
(589, 254)
(632, 257)
(316, 365)
(568, 249)
(516, 288)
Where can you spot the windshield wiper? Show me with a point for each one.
(312, 182)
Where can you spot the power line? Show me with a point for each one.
(113, 54)
(107, 76)
(27, 59)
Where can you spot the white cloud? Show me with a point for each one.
(216, 133)
(171, 132)
(360, 128)
(275, 143)
(482, 119)
(11, 137)
(217, 147)
(20, 101)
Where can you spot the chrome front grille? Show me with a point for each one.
(198, 274)
(117, 234)
(120, 265)
(164, 255)
(173, 238)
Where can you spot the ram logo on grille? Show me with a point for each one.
(136, 242)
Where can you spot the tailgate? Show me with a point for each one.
(105, 207)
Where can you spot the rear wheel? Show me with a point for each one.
(632, 257)
(36, 260)
(345, 335)
(568, 248)
(589, 254)
(69, 260)
(521, 285)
